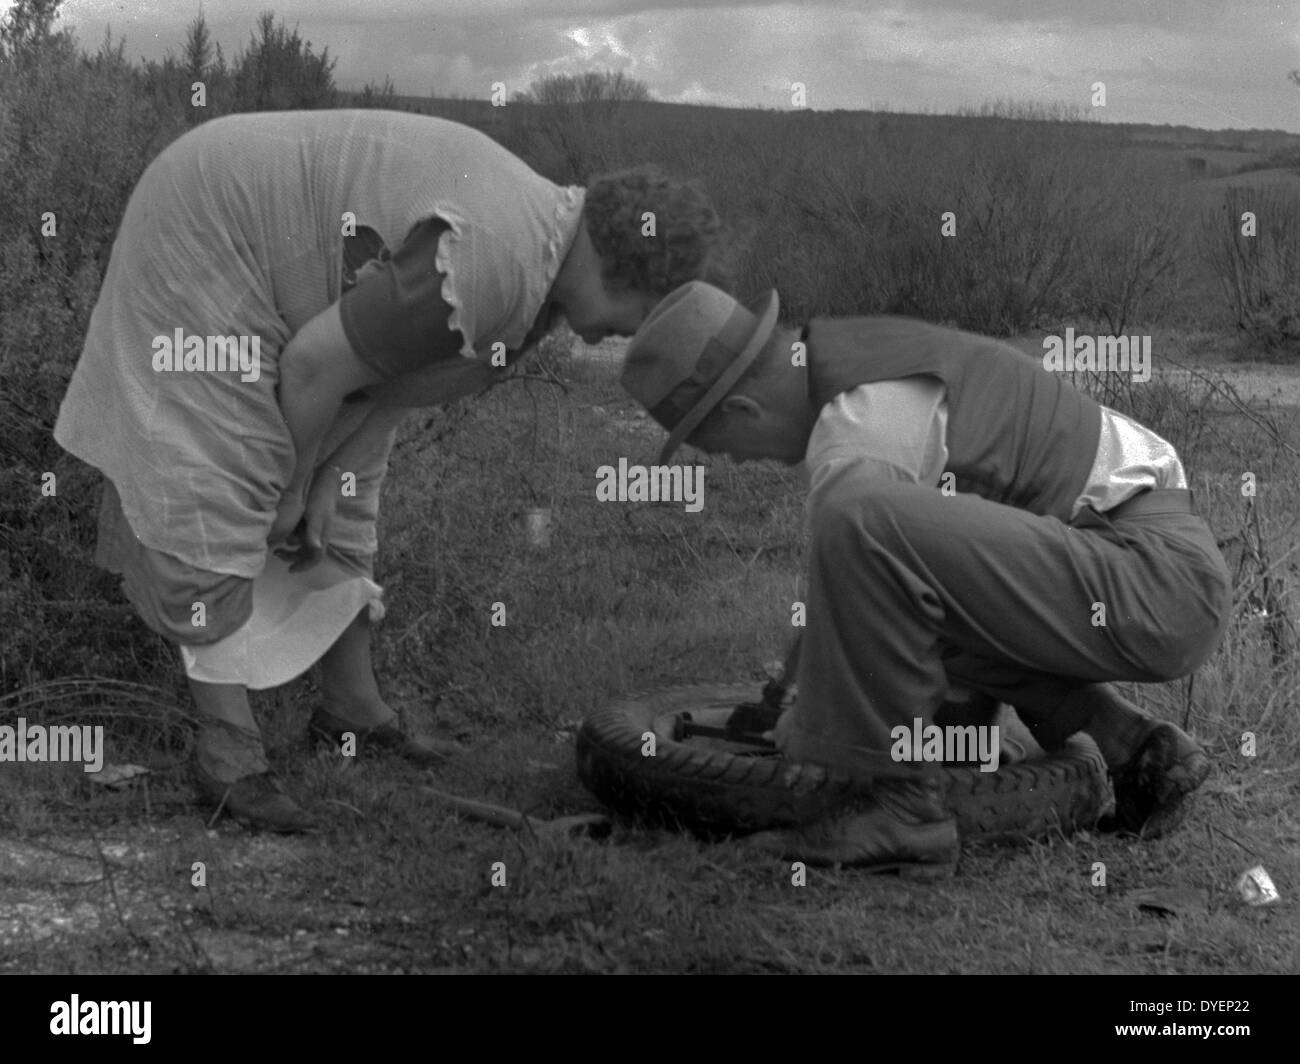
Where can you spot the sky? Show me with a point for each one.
(1214, 64)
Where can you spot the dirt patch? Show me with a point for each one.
(1256, 382)
(65, 894)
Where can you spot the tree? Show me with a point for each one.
(578, 117)
(375, 95)
(169, 85)
(28, 29)
(202, 61)
(279, 71)
(593, 87)
(198, 48)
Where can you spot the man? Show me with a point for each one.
(977, 523)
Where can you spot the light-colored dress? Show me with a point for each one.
(236, 230)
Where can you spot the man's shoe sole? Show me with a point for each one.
(1152, 789)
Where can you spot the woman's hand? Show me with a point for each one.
(306, 541)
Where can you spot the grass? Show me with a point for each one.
(95, 880)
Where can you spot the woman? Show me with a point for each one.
(282, 285)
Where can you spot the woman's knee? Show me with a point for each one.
(185, 605)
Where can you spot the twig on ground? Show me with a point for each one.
(499, 815)
(1231, 838)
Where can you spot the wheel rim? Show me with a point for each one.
(668, 727)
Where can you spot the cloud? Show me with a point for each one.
(1193, 62)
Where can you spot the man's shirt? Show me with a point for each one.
(898, 428)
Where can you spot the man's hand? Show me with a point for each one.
(306, 542)
(780, 735)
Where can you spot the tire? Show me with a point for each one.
(717, 788)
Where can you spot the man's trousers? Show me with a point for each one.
(911, 589)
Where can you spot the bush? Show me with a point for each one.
(171, 84)
(857, 223)
(574, 121)
(76, 132)
(1260, 274)
(280, 72)
(379, 96)
(1128, 252)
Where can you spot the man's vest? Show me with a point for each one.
(1017, 434)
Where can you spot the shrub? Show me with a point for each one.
(76, 132)
(74, 135)
(1128, 252)
(1260, 274)
(380, 96)
(574, 121)
(280, 72)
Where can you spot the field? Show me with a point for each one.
(627, 597)
(841, 213)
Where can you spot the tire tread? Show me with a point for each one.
(715, 793)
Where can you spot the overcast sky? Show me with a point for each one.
(1208, 63)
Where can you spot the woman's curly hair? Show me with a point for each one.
(688, 235)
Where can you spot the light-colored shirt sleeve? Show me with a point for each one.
(896, 428)
(1130, 458)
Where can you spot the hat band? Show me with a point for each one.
(758, 340)
(711, 365)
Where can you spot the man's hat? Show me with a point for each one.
(690, 351)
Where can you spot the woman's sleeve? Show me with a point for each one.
(395, 317)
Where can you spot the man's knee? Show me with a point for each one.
(853, 508)
(1173, 646)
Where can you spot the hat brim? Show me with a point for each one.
(765, 308)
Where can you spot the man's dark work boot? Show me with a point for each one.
(1152, 788)
(901, 825)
